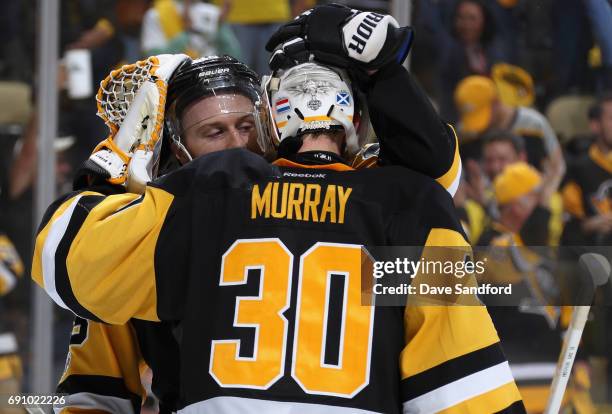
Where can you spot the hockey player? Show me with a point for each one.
(257, 273)
(210, 107)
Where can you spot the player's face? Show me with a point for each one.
(496, 156)
(217, 123)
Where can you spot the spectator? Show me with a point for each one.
(472, 50)
(183, 27)
(253, 22)
(481, 110)
(501, 149)
(587, 188)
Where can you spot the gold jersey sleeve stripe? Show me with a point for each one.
(450, 179)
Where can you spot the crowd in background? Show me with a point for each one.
(525, 82)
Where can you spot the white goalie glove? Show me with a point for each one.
(131, 101)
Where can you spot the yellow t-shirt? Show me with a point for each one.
(258, 11)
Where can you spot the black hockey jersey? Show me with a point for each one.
(258, 266)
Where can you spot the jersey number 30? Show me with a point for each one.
(324, 265)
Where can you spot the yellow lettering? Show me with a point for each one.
(343, 196)
(300, 201)
(283, 211)
(295, 202)
(329, 204)
(260, 203)
(312, 202)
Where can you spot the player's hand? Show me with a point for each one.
(339, 36)
(126, 157)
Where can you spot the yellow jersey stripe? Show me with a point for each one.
(450, 180)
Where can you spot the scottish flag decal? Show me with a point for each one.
(343, 98)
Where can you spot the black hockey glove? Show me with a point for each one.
(339, 36)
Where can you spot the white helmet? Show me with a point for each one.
(313, 98)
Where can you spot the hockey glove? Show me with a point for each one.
(339, 36)
(131, 100)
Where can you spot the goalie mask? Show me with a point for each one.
(311, 98)
(220, 76)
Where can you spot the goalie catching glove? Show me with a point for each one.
(342, 37)
(131, 101)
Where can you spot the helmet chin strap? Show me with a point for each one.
(293, 124)
(181, 148)
(352, 141)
